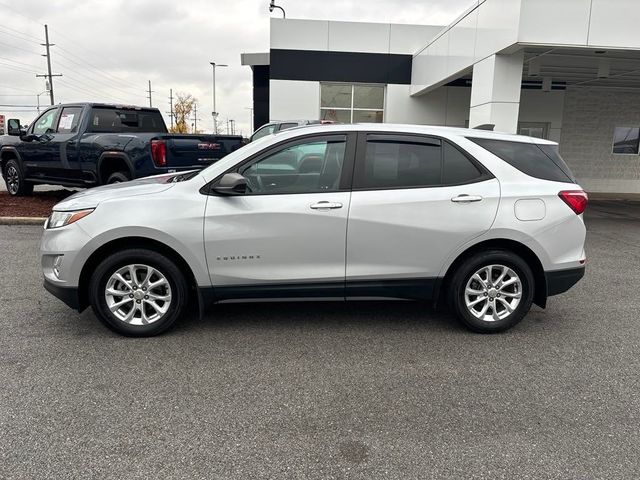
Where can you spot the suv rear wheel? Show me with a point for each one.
(14, 179)
(492, 291)
(138, 292)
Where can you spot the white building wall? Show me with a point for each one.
(300, 100)
(590, 116)
(543, 107)
(502, 26)
(294, 100)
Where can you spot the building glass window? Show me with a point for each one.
(533, 129)
(345, 103)
(626, 140)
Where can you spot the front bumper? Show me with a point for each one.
(69, 295)
(559, 281)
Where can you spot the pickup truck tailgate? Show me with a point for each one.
(199, 150)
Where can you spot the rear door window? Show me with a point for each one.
(392, 162)
(69, 120)
(458, 168)
(539, 161)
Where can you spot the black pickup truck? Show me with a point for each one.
(88, 144)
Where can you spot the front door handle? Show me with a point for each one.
(324, 205)
(464, 198)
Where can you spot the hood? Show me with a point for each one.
(92, 197)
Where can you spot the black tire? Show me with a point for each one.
(118, 177)
(17, 186)
(472, 265)
(157, 261)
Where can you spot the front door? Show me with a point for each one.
(39, 154)
(415, 200)
(286, 236)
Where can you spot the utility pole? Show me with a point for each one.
(195, 118)
(171, 106)
(150, 92)
(233, 127)
(49, 75)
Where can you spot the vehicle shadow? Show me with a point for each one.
(392, 315)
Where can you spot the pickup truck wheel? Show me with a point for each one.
(17, 186)
(118, 177)
(138, 292)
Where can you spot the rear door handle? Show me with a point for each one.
(324, 205)
(464, 198)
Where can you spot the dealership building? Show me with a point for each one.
(564, 70)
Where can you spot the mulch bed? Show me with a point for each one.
(37, 205)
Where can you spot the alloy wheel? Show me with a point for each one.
(13, 180)
(493, 293)
(138, 294)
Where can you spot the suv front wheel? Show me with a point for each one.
(492, 291)
(138, 292)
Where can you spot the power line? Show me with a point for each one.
(20, 36)
(93, 78)
(15, 88)
(103, 73)
(19, 48)
(18, 32)
(20, 63)
(16, 68)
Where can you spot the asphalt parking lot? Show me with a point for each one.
(327, 390)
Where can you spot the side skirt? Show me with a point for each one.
(406, 289)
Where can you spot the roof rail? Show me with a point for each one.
(485, 126)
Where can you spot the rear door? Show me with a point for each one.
(286, 236)
(415, 200)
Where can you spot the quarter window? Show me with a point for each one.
(45, 122)
(539, 161)
(312, 166)
(345, 103)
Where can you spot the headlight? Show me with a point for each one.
(62, 219)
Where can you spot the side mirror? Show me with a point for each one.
(231, 184)
(13, 127)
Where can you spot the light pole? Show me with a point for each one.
(38, 97)
(251, 119)
(214, 112)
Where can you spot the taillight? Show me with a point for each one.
(159, 153)
(576, 199)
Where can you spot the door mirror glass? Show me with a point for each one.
(13, 127)
(231, 184)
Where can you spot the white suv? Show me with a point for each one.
(489, 223)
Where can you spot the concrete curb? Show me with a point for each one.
(22, 220)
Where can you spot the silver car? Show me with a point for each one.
(487, 223)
